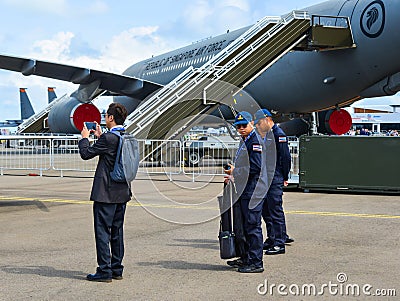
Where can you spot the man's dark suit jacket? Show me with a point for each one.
(104, 189)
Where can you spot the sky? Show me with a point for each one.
(111, 35)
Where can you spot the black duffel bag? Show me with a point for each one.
(231, 236)
(227, 248)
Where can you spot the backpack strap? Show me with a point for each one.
(117, 133)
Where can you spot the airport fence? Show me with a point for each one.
(59, 155)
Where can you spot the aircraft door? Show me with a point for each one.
(348, 8)
(327, 8)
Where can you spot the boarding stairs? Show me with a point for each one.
(183, 96)
(196, 91)
(37, 123)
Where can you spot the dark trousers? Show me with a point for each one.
(274, 216)
(109, 231)
(253, 232)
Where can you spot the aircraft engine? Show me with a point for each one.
(295, 127)
(336, 122)
(69, 115)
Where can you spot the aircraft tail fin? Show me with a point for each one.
(26, 106)
(51, 94)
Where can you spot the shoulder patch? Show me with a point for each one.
(257, 148)
(282, 139)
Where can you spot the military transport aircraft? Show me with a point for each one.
(297, 84)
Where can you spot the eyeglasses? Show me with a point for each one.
(239, 126)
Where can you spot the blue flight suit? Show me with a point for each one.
(272, 213)
(251, 190)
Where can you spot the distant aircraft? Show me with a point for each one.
(51, 94)
(299, 83)
(26, 112)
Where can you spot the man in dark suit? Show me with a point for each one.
(109, 197)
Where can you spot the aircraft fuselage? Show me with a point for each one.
(297, 82)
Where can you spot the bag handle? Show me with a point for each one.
(231, 200)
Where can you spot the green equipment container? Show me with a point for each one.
(352, 163)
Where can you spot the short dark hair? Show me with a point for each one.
(118, 111)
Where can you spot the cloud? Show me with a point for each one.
(48, 6)
(215, 17)
(59, 7)
(124, 49)
(54, 49)
(241, 4)
(128, 47)
(132, 46)
(98, 7)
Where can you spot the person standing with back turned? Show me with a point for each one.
(109, 197)
(273, 214)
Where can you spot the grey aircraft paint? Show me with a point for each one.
(300, 82)
(295, 84)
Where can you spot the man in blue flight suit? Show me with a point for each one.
(273, 214)
(246, 173)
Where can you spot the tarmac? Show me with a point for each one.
(344, 244)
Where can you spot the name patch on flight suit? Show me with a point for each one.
(282, 139)
(257, 148)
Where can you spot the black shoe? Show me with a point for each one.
(237, 263)
(99, 277)
(289, 240)
(251, 269)
(267, 245)
(117, 277)
(275, 250)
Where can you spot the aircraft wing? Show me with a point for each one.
(117, 83)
